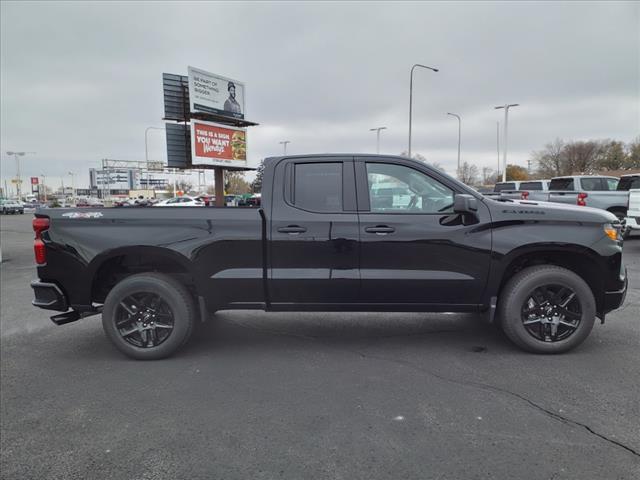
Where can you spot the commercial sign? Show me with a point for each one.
(218, 145)
(119, 178)
(211, 93)
(34, 181)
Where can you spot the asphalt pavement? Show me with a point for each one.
(313, 396)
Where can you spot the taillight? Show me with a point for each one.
(582, 199)
(40, 224)
(524, 195)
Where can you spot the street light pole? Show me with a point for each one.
(377, 130)
(504, 147)
(44, 187)
(459, 136)
(498, 144)
(411, 97)
(73, 187)
(284, 144)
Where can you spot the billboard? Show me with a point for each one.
(211, 93)
(218, 145)
(116, 178)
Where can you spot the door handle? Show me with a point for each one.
(380, 229)
(292, 229)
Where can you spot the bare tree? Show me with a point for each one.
(581, 156)
(633, 154)
(234, 183)
(551, 161)
(468, 174)
(611, 156)
(423, 159)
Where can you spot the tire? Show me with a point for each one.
(517, 302)
(621, 214)
(166, 298)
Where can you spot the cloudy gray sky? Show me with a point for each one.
(81, 81)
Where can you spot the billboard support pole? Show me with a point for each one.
(219, 179)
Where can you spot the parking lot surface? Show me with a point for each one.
(300, 396)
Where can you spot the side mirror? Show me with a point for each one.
(465, 203)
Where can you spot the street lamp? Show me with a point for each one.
(411, 97)
(377, 130)
(73, 187)
(284, 144)
(44, 186)
(17, 156)
(504, 148)
(459, 134)
(146, 149)
(498, 144)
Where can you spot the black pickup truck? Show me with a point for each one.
(334, 233)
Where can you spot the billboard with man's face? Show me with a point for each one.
(211, 93)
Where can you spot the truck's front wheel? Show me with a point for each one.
(547, 309)
(148, 316)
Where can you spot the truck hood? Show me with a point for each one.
(548, 211)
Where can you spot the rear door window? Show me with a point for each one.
(531, 186)
(504, 186)
(318, 187)
(593, 184)
(561, 184)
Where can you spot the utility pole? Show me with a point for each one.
(411, 97)
(498, 146)
(459, 135)
(505, 139)
(284, 144)
(377, 130)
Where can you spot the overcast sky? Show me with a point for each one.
(81, 81)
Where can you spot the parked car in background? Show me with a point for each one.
(254, 200)
(506, 186)
(629, 182)
(208, 200)
(632, 222)
(591, 191)
(11, 206)
(535, 190)
(183, 201)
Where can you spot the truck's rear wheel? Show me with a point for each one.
(547, 309)
(148, 316)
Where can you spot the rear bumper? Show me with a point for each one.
(614, 299)
(49, 296)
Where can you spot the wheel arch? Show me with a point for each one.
(579, 259)
(107, 269)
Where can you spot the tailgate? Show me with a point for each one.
(564, 197)
(634, 203)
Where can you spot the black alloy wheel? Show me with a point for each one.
(546, 309)
(148, 316)
(551, 313)
(144, 320)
